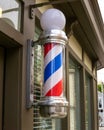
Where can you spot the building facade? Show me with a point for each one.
(84, 55)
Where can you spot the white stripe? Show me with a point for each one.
(53, 80)
(52, 54)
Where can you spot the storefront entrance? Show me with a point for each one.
(1, 84)
(10, 83)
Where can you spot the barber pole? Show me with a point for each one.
(53, 69)
(53, 102)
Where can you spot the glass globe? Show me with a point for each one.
(52, 19)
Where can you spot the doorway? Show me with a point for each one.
(10, 87)
(1, 84)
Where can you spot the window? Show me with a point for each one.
(74, 92)
(11, 12)
(88, 102)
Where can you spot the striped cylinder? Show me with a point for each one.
(53, 102)
(53, 69)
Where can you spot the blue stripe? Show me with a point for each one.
(53, 66)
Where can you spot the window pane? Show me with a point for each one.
(11, 12)
(74, 85)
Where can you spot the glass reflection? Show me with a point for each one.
(10, 11)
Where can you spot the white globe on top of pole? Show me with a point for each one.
(52, 19)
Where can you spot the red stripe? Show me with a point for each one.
(48, 47)
(56, 90)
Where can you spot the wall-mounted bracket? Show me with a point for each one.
(29, 75)
(31, 7)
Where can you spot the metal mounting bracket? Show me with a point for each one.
(31, 7)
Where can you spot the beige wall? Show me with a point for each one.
(73, 43)
(87, 61)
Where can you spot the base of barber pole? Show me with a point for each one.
(54, 107)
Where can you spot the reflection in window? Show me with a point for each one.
(100, 102)
(74, 85)
(88, 102)
(11, 12)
